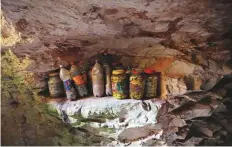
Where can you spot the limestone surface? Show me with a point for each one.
(113, 118)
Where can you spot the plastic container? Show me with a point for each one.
(108, 85)
(79, 80)
(97, 80)
(65, 77)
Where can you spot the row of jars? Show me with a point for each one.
(135, 84)
(102, 80)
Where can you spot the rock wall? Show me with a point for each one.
(55, 31)
(197, 34)
(188, 40)
(25, 120)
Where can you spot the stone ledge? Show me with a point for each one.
(110, 117)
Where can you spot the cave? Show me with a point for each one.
(187, 42)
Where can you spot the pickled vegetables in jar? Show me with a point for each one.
(119, 84)
(150, 83)
(137, 84)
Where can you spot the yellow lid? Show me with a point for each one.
(118, 71)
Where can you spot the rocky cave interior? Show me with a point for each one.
(187, 40)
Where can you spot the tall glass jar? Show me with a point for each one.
(137, 84)
(119, 84)
(150, 83)
(55, 85)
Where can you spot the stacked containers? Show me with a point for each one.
(137, 84)
(150, 83)
(119, 84)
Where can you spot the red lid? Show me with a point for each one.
(149, 71)
(136, 72)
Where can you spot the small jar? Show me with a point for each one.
(136, 84)
(119, 84)
(55, 85)
(150, 83)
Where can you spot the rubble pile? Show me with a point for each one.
(199, 117)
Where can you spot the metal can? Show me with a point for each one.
(150, 83)
(55, 85)
(136, 84)
(119, 84)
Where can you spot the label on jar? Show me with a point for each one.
(79, 79)
(119, 87)
(67, 85)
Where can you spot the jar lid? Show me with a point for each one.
(137, 71)
(149, 71)
(118, 71)
(53, 74)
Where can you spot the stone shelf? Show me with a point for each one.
(125, 120)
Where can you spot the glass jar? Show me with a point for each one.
(136, 84)
(150, 83)
(55, 85)
(119, 84)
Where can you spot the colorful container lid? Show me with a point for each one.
(137, 71)
(118, 71)
(149, 71)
